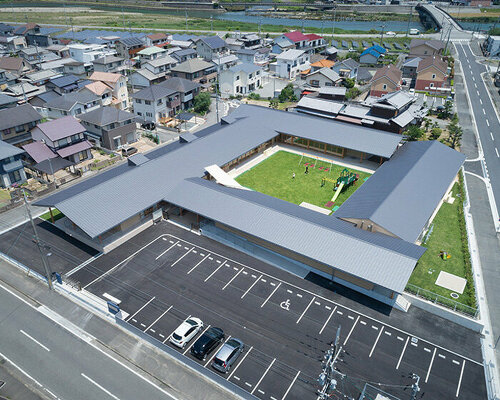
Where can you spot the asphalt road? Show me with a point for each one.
(167, 274)
(62, 364)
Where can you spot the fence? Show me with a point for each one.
(443, 301)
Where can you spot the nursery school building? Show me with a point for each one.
(369, 244)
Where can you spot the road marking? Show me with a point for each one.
(427, 350)
(166, 250)
(243, 359)
(264, 280)
(400, 338)
(456, 362)
(249, 385)
(134, 314)
(237, 378)
(328, 319)
(441, 355)
(195, 252)
(179, 259)
(350, 317)
(340, 313)
(262, 377)
(196, 266)
(375, 327)
(250, 288)
(403, 352)
(329, 308)
(376, 341)
(143, 325)
(100, 387)
(317, 303)
(254, 276)
(475, 85)
(152, 330)
(210, 258)
(362, 322)
(388, 333)
(473, 78)
(414, 344)
(349, 335)
(430, 365)
(49, 392)
(157, 319)
(244, 272)
(299, 295)
(480, 101)
(307, 308)
(289, 291)
(194, 341)
(260, 391)
(477, 91)
(273, 284)
(201, 254)
(487, 122)
(268, 297)
(496, 151)
(219, 261)
(236, 269)
(492, 138)
(111, 298)
(484, 112)
(232, 279)
(36, 341)
(209, 276)
(460, 379)
(289, 387)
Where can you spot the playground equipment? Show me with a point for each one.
(345, 180)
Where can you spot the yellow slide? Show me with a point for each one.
(337, 192)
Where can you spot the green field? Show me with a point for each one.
(446, 236)
(273, 177)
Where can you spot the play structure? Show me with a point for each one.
(345, 180)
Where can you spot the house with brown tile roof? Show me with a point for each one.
(101, 89)
(15, 65)
(431, 73)
(426, 48)
(386, 80)
(118, 84)
(325, 63)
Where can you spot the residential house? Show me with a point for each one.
(226, 61)
(425, 48)
(39, 101)
(72, 104)
(119, 85)
(150, 54)
(282, 44)
(15, 65)
(34, 55)
(372, 54)
(251, 41)
(409, 67)
(309, 43)
(40, 78)
(87, 53)
(330, 53)
(324, 63)
(156, 103)
(7, 78)
(316, 43)
(39, 39)
(23, 91)
(323, 77)
(347, 68)
(65, 137)
(196, 70)
(59, 50)
(143, 77)
(211, 47)
(182, 55)
(291, 62)
(240, 79)
(13, 44)
(11, 165)
(431, 73)
(110, 63)
(491, 46)
(156, 38)
(27, 28)
(258, 56)
(364, 75)
(7, 101)
(6, 29)
(128, 47)
(58, 65)
(183, 44)
(63, 84)
(104, 91)
(234, 44)
(187, 90)
(160, 66)
(109, 127)
(16, 124)
(386, 80)
(76, 68)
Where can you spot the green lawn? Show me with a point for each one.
(273, 176)
(55, 212)
(446, 236)
(4, 197)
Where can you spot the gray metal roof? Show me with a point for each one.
(5, 99)
(65, 80)
(68, 100)
(314, 103)
(153, 92)
(377, 258)
(328, 73)
(180, 85)
(8, 150)
(245, 67)
(105, 115)
(214, 42)
(131, 41)
(19, 115)
(404, 192)
(192, 65)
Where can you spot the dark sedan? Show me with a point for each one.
(207, 342)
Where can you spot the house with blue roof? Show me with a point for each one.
(240, 79)
(372, 54)
(211, 47)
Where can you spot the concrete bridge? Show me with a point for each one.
(434, 16)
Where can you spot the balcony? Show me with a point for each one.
(174, 103)
(12, 166)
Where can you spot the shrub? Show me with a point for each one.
(202, 103)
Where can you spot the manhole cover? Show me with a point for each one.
(454, 295)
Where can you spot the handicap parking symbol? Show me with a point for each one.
(285, 305)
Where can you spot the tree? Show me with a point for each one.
(352, 93)
(448, 106)
(287, 94)
(202, 103)
(436, 132)
(349, 83)
(455, 132)
(413, 133)
(274, 103)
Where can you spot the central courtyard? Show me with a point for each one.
(275, 177)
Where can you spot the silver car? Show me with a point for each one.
(227, 355)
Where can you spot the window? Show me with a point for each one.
(432, 84)
(15, 176)
(139, 114)
(433, 76)
(384, 87)
(74, 138)
(148, 114)
(63, 142)
(147, 102)
(82, 155)
(19, 128)
(138, 101)
(237, 77)
(159, 102)
(314, 82)
(79, 110)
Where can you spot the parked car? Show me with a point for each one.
(227, 355)
(185, 332)
(128, 151)
(390, 33)
(207, 342)
(148, 125)
(412, 91)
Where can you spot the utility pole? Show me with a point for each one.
(382, 28)
(186, 14)
(217, 89)
(123, 19)
(409, 20)
(448, 40)
(327, 379)
(37, 240)
(72, 29)
(37, 54)
(211, 23)
(334, 17)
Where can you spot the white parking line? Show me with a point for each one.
(460, 379)
(268, 297)
(307, 308)
(250, 288)
(209, 276)
(241, 361)
(430, 365)
(194, 341)
(492, 138)
(477, 91)
(196, 266)
(166, 250)
(100, 387)
(262, 377)
(496, 151)
(327, 320)
(232, 279)
(487, 122)
(480, 101)
(157, 319)
(456, 362)
(376, 341)
(442, 356)
(34, 340)
(353, 326)
(403, 352)
(291, 384)
(484, 112)
(134, 314)
(181, 257)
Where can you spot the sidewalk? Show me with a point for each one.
(143, 358)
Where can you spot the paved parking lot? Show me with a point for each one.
(167, 274)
